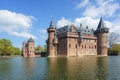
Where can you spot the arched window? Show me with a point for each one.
(82, 46)
(85, 46)
(69, 45)
(76, 46)
(95, 46)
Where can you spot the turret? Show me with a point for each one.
(51, 39)
(23, 44)
(24, 50)
(31, 50)
(102, 34)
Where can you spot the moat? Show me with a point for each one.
(60, 68)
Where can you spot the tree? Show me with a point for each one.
(39, 48)
(45, 48)
(16, 51)
(6, 48)
(115, 48)
(113, 38)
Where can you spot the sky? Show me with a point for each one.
(22, 19)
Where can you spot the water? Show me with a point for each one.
(60, 68)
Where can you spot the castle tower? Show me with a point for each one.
(50, 42)
(31, 51)
(102, 34)
(24, 50)
(55, 42)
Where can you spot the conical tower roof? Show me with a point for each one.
(24, 42)
(101, 24)
(52, 24)
(101, 27)
(31, 40)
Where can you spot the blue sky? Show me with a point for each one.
(22, 19)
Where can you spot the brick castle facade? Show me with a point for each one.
(77, 41)
(28, 48)
(72, 41)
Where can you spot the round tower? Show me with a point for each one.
(102, 34)
(50, 42)
(55, 41)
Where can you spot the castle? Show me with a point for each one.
(77, 41)
(28, 48)
(71, 41)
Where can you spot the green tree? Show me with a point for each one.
(45, 48)
(5, 47)
(115, 48)
(39, 48)
(16, 51)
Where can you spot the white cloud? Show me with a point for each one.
(83, 3)
(43, 34)
(103, 8)
(92, 23)
(86, 21)
(43, 31)
(62, 22)
(108, 9)
(115, 26)
(16, 24)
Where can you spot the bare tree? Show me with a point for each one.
(113, 38)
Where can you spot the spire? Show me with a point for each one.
(52, 24)
(101, 27)
(101, 24)
(24, 42)
(31, 40)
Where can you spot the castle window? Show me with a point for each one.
(95, 46)
(69, 45)
(76, 46)
(85, 46)
(82, 46)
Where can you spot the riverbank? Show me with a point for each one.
(10, 56)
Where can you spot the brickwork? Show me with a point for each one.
(77, 41)
(51, 48)
(28, 48)
(102, 41)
